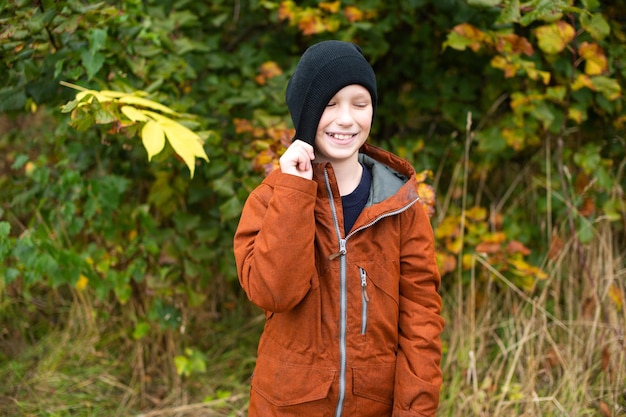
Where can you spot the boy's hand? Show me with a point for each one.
(297, 160)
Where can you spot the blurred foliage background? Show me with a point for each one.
(118, 292)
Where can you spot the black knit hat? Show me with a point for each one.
(323, 70)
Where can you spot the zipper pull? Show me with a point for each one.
(364, 284)
(342, 250)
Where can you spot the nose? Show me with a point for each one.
(345, 116)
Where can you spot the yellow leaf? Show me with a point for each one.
(449, 227)
(134, 114)
(616, 294)
(553, 38)
(113, 94)
(455, 246)
(144, 102)
(535, 74)
(186, 143)
(467, 261)
(595, 58)
(505, 65)
(514, 138)
(82, 282)
(576, 115)
(476, 213)
(100, 97)
(582, 81)
(330, 7)
(153, 138)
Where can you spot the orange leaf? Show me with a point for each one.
(556, 247)
(353, 14)
(514, 44)
(429, 210)
(588, 207)
(268, 70)
(605, 409)
(470, 32)
(488, 247)
(311, 24)
(447, 263)
(516, 246)
(242, 125)
(271, 69)
(286, 10)
(501, 63)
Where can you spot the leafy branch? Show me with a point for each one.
(127, 109)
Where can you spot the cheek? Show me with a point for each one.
(365, 120)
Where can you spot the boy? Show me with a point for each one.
(337, 250)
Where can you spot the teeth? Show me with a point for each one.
(340, 136)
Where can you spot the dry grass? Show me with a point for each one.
(558, 351)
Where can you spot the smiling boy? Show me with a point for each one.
(337, 250)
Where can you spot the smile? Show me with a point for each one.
(342, 136)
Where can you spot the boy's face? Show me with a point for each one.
(344, 125)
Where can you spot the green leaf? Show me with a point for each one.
(12, 98)
(92, 62)
(585, 231)
(231, 209)
(19, 162)
(141, 330)
(491, 141)
(182, 365)
(97, 39)
(608, 87)
(596, 25)
(5, 242)
(484, 3)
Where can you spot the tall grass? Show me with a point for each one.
(558, 351)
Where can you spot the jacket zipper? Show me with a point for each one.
(364, 300)
(343, 288)
(343, 301)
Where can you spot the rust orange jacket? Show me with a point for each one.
(353, 322)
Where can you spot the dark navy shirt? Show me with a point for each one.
(354, 202)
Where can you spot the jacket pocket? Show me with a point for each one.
(365, 299)
(375, 382)
(284, 384)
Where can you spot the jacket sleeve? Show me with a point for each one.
(274, 242)
(418, 372)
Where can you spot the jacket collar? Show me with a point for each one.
(393, 178)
